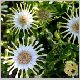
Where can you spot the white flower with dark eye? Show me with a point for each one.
(72, 26)
(3, 10)
(24, 58)
(71, 68)
(23, 18)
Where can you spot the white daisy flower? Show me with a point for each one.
(24, 57)
(3, 10)
(71, 68)
(72, 26)
(23, 18)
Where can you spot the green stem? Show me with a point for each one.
(43, 27)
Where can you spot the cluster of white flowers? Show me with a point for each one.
(24, 56)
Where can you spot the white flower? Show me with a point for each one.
(71, 68)
(3, 10)
(23, 18)
(72, 26)
(24, 57)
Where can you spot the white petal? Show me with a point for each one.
(11, 71)
(30, 66)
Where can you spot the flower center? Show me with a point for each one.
(75, 27)
(24, 57)
(23, 19)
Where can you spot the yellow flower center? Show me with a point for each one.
(75, 27)
(23, 19)
(24, 57)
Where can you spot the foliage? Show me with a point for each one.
(58, 50)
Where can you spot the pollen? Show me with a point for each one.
(24, 57)
(75, 27)
(23, 19)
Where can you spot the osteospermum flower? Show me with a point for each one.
(23, 18)
(3, 10)
(72, 26)
(71, 68)
(24, 57)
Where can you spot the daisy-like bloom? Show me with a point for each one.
(71, 68)
(3, 10)
(44, 15)
(72, 26)
(23, 18)
(24, 57)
